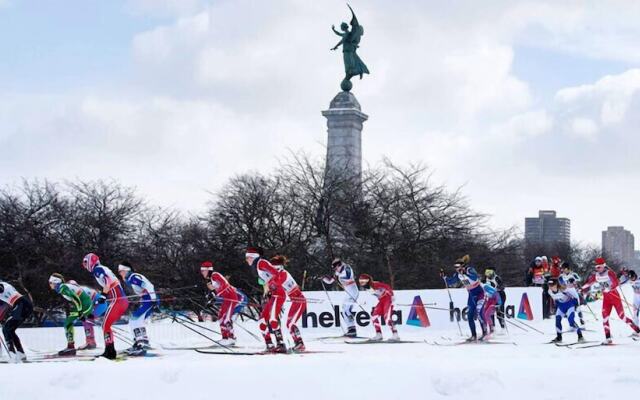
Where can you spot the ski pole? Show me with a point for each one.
(330, 302)
(590, 310)
(530, 327)
(446, 284)
(517, 326)
(203, 335)
(619, 288)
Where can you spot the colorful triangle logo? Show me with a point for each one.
(524, 312)
(418, 314)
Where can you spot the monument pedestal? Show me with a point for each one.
(344, 144)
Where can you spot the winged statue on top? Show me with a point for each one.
(350, 41)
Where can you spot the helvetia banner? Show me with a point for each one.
(426, 308)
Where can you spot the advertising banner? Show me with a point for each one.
(427, 308)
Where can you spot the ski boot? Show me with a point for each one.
(558, 339)
(280, 348)
(580, 338)
(377, 337)
(109, 352)
(90, 345)
(395, 337)
(351, 332)
(228, 342)
(299, 346)
(137, 350)
(69, 351)
(607, 342)
(471, 339)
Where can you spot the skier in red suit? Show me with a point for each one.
(606, 280)
(298, 301)
(229, 297)
(275, 295)
(384, 308)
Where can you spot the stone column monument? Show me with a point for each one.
(344, 143)
(344, 116)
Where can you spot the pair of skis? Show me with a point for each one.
(262, 352)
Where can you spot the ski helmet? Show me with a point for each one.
(632, 275)
(538, 260)
(90, 261)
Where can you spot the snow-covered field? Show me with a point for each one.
(529, 370)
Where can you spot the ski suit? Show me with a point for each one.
(229, 301)
(384, 308)
(345, 277)
(270, 315)
(81, 307)
(608, 282)
(146, 293)
(20, 308)
(470, 280)
(298, 304)
(116, 298)
(566, 300)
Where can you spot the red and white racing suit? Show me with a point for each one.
(384, 308)
(298, 303)
(269, 317)
(608, 282)
(230, 299)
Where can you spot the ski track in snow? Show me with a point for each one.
(531, 370)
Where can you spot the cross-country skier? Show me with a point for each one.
(571, 279)
(275, 295)
(632, 278)
(116, 298)
(147, 299)
(228, 297)
(607, 281)
(566, 299)
(343, 273)
(491, 301)
(468, 277)
(20, 308)
(496, 281)
(81, 308)
(384, 308)
(99, 308)
(298, 301)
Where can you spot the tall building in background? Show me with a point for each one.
(547, 229)
(618, 243)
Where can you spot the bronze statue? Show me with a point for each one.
(350, 41)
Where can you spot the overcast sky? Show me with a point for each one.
(529, 104)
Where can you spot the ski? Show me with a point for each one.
(436, 343)
(371, 341)
(574, 343)
(264, 352)
(193, 347)
(241, 353)
(596, 345)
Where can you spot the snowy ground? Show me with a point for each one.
(528, 370)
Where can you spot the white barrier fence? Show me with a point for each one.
(522, 302)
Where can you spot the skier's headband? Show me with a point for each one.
(209, 268)
(123, 268)
(252, 255)
(55, 280)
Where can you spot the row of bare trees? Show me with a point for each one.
(395, 224)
